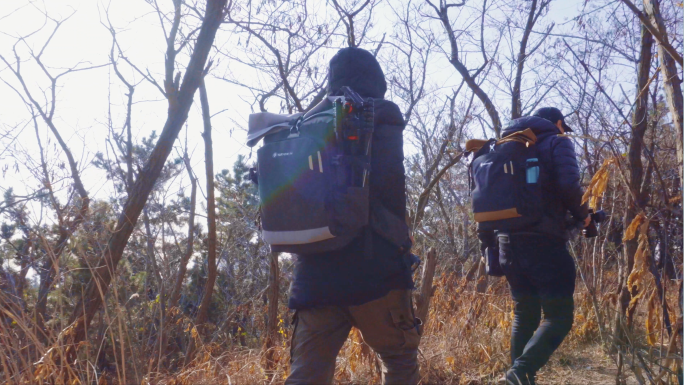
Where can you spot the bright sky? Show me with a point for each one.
(83, 107)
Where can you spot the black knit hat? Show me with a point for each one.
(554, 115)
(358, 69)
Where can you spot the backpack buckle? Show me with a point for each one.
(294, 130)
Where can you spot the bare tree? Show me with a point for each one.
(183, 266)
(442, 13)
(535, 12)
(671, 81)
(68, 221)
(135, 279)
(211, 210)
(180, 96)
(286, 52)
(211, 219)
(661, 36)
(347, 17)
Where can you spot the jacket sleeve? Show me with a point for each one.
(387, 179)
(567, 177)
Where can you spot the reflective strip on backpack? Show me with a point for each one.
(298, 237)
(497, 215)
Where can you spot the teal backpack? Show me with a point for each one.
(312, 173)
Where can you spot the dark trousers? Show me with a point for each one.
(541, 274)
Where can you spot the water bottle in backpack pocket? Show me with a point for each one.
(532, 169)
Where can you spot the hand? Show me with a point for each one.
(587, 221)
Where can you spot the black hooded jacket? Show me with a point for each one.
(347, 277)
(562, 192)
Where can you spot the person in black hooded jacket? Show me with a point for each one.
(334, 291)
(535, 260)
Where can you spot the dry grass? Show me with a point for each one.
(466, 341)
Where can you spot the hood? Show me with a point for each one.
(358, 69)
(541, 127)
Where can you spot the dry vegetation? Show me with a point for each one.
(163, 279)
(466, 342)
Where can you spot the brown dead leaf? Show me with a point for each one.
(652, 319)
(635, 279)
(631, 231)
(598, 184)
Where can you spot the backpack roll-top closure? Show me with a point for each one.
(474, 145)
(526, 137)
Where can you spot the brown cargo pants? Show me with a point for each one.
(387, 325)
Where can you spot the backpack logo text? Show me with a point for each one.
(279, 154)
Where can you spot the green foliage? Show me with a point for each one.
(237, 192)
(6, 231)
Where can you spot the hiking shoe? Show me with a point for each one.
(514, 378)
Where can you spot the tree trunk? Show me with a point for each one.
(516, 104)
(160, 340)
(24, 267)
(149, 253)
(483, 278)
(654, 31)
(634, 196)
(425, 195)
(183, 266)
(66, 229)
(47, 277)
(635, 200)
(180, 100)
(671, 82)
(426, 287)
(208, 291)
(211, 209)
(272, 322)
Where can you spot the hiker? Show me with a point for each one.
(333, 194)
(332, 292)
(532, 236)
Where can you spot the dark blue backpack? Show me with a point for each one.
(506, 178)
